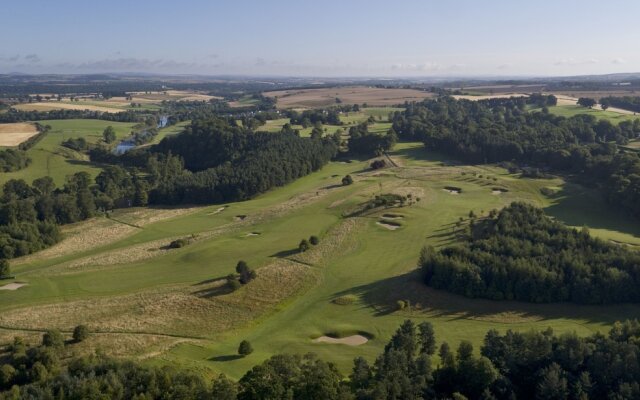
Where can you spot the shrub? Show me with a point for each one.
(178, 243)
(378, 164)
(80, 333)
(5, 269)
(347, 180)
(304, 246)
(246, 273)
(314, 240)
(400, 305)
(53, 338)
(233, 283)
(245, 348)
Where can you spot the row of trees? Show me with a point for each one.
(363, 142)
(502, 130)
(630, 103)
(513, 365)
(521, 254)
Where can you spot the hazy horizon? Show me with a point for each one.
(409, 39)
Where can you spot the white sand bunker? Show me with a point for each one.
(13, 286)
(497, 191)
(253, 234)
(452, 190)
(393, 216)
(218, 211)
(353, 340)
(390, 226)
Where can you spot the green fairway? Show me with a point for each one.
(570, 111)
(357, 256)
(49, 158)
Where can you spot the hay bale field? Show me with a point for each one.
(308, 98)
(14, 134)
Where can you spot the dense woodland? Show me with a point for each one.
(502, 130)
(631, 103)
(521, 254)
(513, 365)
(14, 115)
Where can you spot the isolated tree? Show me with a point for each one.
(80, 333)
(314, 240)
(304, 246)
(246, 273)
(587, 102)
(53, 338)
(5, 269)
(245, 348)
(109, 134)
(347, 180)
(605, 103)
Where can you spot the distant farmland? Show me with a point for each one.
(308, 98)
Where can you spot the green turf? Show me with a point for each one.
(375, 265)
(51, 159)
(570, 111)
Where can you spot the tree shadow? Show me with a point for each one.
(382, 297)
(577, 205)
(285, 253)
(230, 357)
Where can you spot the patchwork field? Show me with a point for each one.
(54, 105)
(13, 134)
(49, 158)
(171, 307)
(309, 98)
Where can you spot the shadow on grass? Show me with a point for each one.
(577, 205)
(285, 253)
(231, 357)
(383, 295)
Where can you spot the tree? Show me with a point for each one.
(586, 102)
(553, 384)
(314, 240)
(224, 389)
(5, 269)
(347, 180)
(246, 273)
(304, 245)
(80, 333)
(245, 348)
(109, 134)
(53, 338)
(427, 338)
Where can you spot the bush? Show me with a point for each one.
(5, 269)
(304, 246)
(378, 164)
(53, 338)
(347, 180)
(314, 240)
(233, 283)
(245, 348)
(246, 273)
(80, 333)
(401, 305)
(178, 243)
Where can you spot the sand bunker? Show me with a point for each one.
(498, 191)
(451, 191)
(239, 217)
(354, 340)
(393, 216)
(253, 234)
(391, 227)
(218, 211)
(13, 286)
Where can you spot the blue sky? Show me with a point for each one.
(322, 38)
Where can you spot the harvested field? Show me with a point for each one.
(308, 98)
(16, 133)
(50, 106)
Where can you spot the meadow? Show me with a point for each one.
(170, 307)
(49, 158)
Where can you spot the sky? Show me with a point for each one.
(324, 38)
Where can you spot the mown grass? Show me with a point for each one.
(371, 266)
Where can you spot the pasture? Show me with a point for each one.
(49, 158)
(171, 307)
(310, 98)
(12, 135)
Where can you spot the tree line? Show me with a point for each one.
(522, 254)
(630, 103)
(513, 365)
(502, 130)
